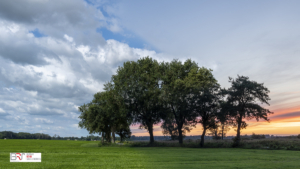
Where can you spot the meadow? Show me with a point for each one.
(87, 154)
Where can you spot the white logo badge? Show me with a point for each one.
(25, 157)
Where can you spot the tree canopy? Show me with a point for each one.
(241, 102)
(207, 106)
(180, 81)
(139, 85)
(105, 114)
(176, 94)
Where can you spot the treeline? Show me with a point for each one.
(178, 95)
(23, 135)
(87, 138)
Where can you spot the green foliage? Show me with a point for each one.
(102, 144)
(180, 81)
(105, 113)
(123, 131)
(139, 85)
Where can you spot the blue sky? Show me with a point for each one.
(55, 56)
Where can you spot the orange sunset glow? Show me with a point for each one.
(282, 122)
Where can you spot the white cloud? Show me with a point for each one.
(43, 120)
(68, 38)
(75, 126)
(45, 79)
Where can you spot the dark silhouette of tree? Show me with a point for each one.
(241, 103)
(207, 106)
(170, 128)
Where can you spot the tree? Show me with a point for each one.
(138, 84)
(169, 127)
(219, 130)
(257, 136)
(104, 114)
(120, 119)
(224, 127)
(179, 84)
(215, 132)
(224, 119)
(94, 118)
(123, 131)
(241, 102)
(207, 106)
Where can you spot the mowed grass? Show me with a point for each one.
(85, 154)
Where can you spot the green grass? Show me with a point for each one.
(84, 154)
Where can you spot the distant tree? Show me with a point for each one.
(219, 130)
(224, 127)
(224, 119)
(123, 131)
(139, 85)
(215, 132)
(180, 81)
(257, 136)
(241, 103)
(170, 128)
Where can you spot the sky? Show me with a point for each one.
(54, 55)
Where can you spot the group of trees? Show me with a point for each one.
(178, 95)
(23, 135)
(42, 136)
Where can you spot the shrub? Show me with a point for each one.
(257, 136)
(102, 144)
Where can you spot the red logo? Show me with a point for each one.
(19, 156)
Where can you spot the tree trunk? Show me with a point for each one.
(202, 136)
(222, 132)
(150, 130)
(102, 138)
(238, 134)
(107, 136)
(180, 138)
(113, 134)
(121, 138)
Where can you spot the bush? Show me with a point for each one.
(257, 136)
(102, 144)
(298, 136)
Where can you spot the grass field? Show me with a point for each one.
(85, 154)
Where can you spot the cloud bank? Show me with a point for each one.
(52, 60)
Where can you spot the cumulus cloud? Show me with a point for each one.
(43, 79)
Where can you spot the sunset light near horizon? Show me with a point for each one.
(55, 56)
